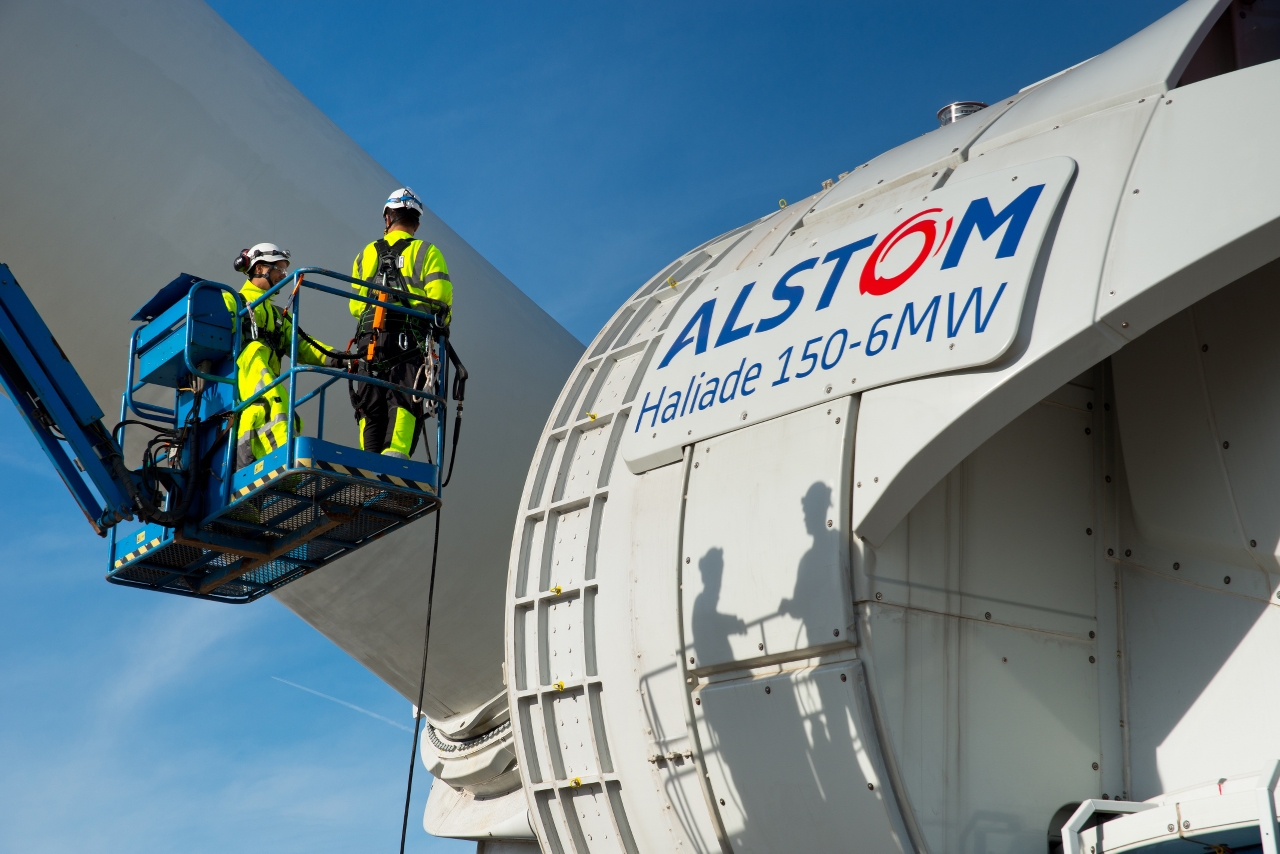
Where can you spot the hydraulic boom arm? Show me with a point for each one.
(60, 411)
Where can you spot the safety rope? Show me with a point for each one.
(422, 683)
(341, 355)
(459, 392)
(453, 453)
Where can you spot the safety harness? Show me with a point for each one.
(387, 338)
(271, 336)
(388, 274)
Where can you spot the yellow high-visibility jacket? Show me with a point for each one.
(263, 426)
(275, 328)
(424, 270)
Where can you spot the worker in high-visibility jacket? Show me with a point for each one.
(264, 341)
(388, 419)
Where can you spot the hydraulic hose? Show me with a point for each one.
(153, 476)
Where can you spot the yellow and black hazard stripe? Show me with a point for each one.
(369, 475)
(262, 481)
(137, 553)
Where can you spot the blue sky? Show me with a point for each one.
(580, 147)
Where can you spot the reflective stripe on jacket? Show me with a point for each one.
(424, 270)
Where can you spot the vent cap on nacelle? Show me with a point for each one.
(954, 112)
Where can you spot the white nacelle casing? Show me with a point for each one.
(928, 615)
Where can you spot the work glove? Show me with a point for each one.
(334, 362)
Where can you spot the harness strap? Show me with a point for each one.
(391, 253)
(387, 258)
(271, 334)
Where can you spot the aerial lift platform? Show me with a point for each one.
(203, 528)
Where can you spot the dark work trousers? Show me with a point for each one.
(379, 411)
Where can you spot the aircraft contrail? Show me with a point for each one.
(343, 703)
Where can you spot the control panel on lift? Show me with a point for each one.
(187, 520)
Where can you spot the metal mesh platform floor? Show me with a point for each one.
(282, 525)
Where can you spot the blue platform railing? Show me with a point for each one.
(300, 283)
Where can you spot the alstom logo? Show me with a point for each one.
(902, 253)
(920, 288)
(919, 232)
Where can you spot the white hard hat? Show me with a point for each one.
(403, 198)
(267, 252)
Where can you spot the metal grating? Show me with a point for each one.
(280, 508)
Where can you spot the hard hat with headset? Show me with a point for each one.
(263, 252)
(404, 198)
